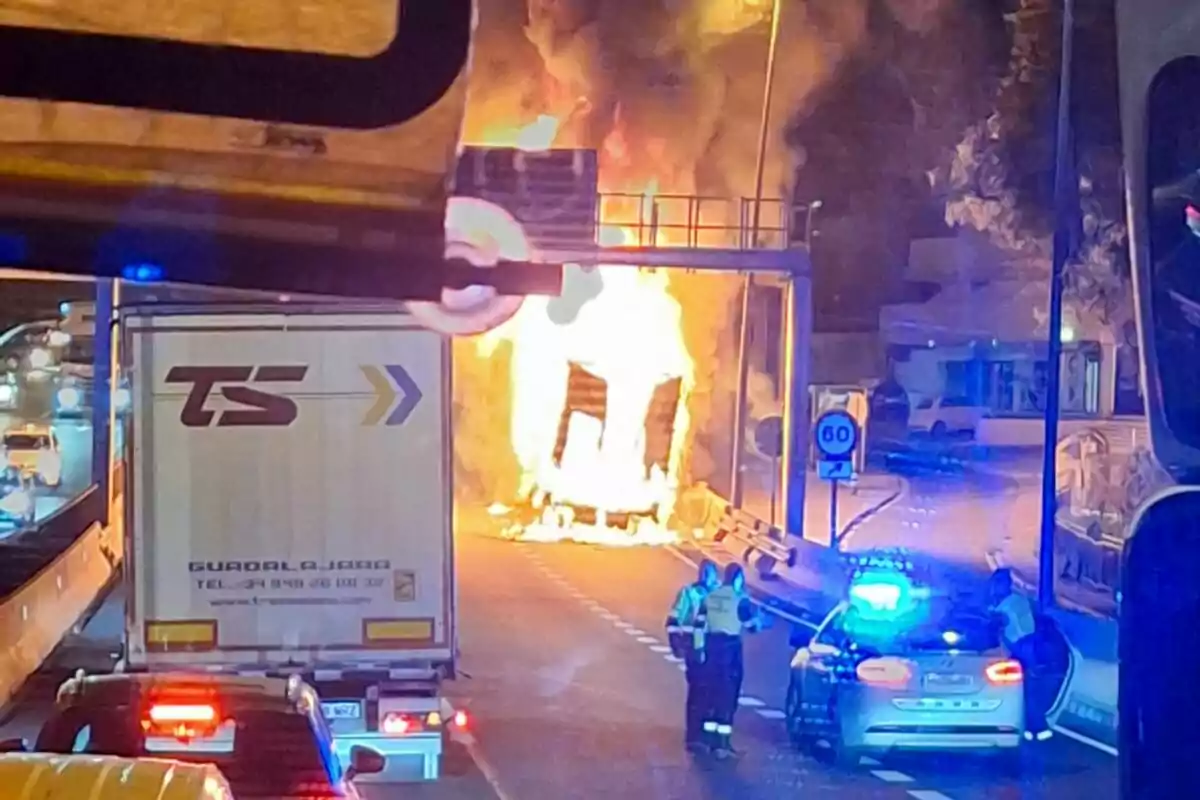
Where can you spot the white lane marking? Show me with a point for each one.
(620, 623)
(891, 776)
(750, 702)
(609, 617)
(770, 713)
(867, 761)
(635, 632)
(647, 640)
(489, 773)
(658, 648)
(926, 794)
(674, 659)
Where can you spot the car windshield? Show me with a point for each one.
(26, 441)
(263, 754)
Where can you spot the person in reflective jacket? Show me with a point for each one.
(680, 634)
(725, 614)
(1020, 632)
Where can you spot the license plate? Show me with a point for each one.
(948, 681)
(342, 710)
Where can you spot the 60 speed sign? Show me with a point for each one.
(836, 434)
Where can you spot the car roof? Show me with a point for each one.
(231, 691)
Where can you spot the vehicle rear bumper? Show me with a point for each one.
(411, 757)
(888, 741)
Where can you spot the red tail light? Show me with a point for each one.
(396, 725)
(460, 720)
(182, 713)
(1004, 672)
(183, 721)
(890, 673)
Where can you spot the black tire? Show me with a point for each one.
(838, 753)
(798, 730)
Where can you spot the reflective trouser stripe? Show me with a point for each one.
(711, 727)
(725, 730)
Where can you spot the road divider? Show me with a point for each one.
(50, 576)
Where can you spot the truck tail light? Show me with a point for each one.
(397, 725)
(181, 636)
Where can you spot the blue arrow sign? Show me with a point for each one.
(410, 395)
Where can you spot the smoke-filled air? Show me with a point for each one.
(669, 94)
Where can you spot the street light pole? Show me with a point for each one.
(1065, 206)
(739, 416)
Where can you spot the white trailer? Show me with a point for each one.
(290, 509)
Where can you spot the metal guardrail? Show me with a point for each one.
(764, 546)
(29, 551)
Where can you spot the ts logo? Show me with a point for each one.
(261, 408)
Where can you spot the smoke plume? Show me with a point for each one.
(669, 92)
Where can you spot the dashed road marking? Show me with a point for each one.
(891, 776)
(867, 761)
(622, 624)
(750, 702)
(770, 713)
(659, 648)
(926, 794)
(635, 632)
(647, 640)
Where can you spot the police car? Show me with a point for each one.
(266, 735)
(896, 667)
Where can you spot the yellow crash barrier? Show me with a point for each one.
(57, 777)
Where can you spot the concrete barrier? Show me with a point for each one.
(67, 561)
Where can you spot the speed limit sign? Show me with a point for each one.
(836, 434)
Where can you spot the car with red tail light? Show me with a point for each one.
(895, 669)
(267, 736)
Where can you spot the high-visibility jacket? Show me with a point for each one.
(726, 611)
(681, 621)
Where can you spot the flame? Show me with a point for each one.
(626, 330)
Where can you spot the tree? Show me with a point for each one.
(999, 177)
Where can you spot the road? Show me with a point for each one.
(75, 440)
(573, 694)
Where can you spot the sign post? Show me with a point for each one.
(835, 436)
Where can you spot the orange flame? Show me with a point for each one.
(627, 332)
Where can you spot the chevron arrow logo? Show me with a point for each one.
(396, 394)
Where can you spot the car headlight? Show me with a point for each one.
(69, 398)
(39, 358)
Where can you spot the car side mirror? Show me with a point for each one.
(365, 761)
(14, 746)
(800, 636)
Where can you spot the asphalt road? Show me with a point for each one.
(573, 695)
